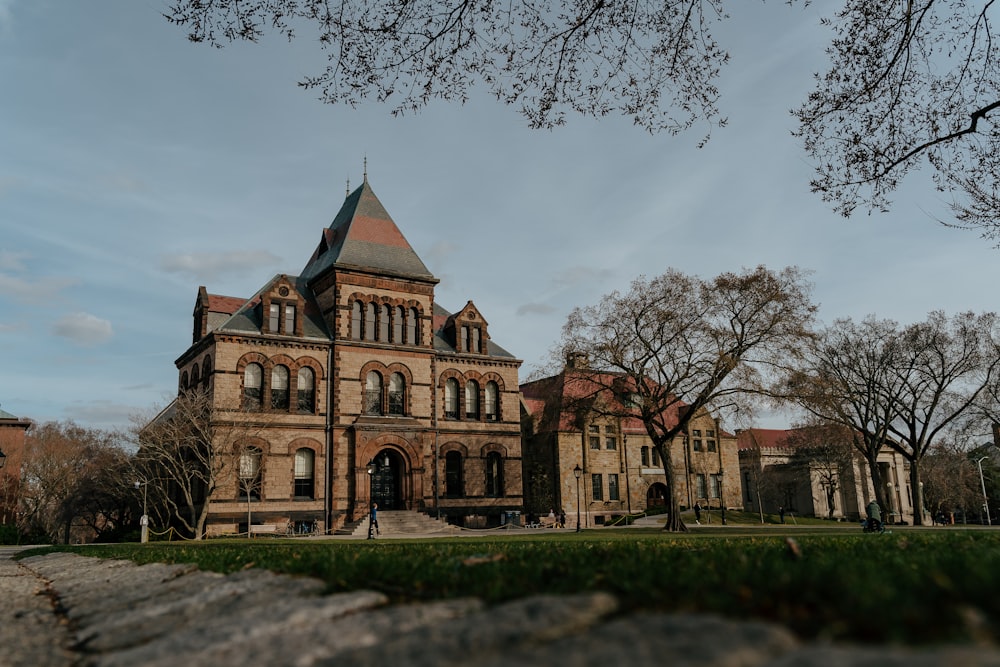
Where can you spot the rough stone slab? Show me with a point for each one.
(890, 656)
(31, 634)
(655, 639)
(470, 639)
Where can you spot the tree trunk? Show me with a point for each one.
(916, 493)
(674, 523)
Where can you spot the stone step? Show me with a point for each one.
(404, 522)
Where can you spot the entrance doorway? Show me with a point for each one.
(387, 481)
(656, 496)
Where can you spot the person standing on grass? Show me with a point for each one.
(562, 518)
(697, 513)
(781, 513)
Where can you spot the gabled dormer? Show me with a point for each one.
(467, 331)
(211, 310)
(281, 308)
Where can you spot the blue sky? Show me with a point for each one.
(135, 166)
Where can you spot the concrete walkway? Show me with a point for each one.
(64, 609)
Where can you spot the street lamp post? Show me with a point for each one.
(982, 484)
(372, 467)
(144, 520)
(577, 472)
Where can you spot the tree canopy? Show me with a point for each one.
(909, 83)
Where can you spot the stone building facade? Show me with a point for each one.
(12, 436)
(779, 472)
(620, 471)
(358, 387)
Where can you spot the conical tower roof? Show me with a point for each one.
(363, 236)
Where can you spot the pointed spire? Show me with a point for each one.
(366, 169)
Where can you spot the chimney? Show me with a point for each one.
(577, 360)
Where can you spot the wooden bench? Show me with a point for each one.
(263, 529)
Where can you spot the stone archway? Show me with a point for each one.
(656, 495)
(387, 480)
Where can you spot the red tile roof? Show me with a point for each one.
(224, 304)
(765, 438)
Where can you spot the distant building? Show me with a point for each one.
(778, 472)
(12, 436)
(350, 362)
(621, 471)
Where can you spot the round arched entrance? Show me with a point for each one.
(656, 496)
(387, 480)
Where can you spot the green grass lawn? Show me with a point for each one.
(913, 586)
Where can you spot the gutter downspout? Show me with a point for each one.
(328, 485)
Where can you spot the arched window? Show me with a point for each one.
(451, 398)
(491, 407)
(206, 370)
(412, 333)
(305, 464)
(279, 388)
(373, 394)
(253, 375)
(195, 377)
(249, 479)
(356, 320)
(494, 475)
(307, 390)
(370, 321)
(472, 400)
(397, 394)
(453, 475)
(384, 315)
(399, 315)
(184, 381)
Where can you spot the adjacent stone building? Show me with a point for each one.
(12, 437)
(780, 471)
(354, 378)
(620, 470)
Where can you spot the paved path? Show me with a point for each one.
(67, 610)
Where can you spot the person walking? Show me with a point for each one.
(375, 518)
(697, 513)
(781, 513)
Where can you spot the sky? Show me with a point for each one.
(136, 166)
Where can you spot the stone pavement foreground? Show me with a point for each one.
(67, 610)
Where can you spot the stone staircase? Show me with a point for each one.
(393, 523)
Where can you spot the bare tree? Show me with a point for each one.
(186, 452)
(951, 481)
(908, 82)
(74, 477)
(847, 378)
(676, 346)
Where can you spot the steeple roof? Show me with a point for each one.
(364, 236)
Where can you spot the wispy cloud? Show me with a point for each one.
(576, 275)
(13, 261)
(83, 329)
(34, 292)
(535, 309)
(206, 266)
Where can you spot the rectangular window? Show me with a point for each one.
(289, 320)
(273, 315)
(700, 490)
(656, 458)
(696, 433)
(713, 483)
(645, 456)
(710, 444)
(594, 428)
(611, 442)
(613, 487)
(598, 484)
(696, 445)
(595, 442)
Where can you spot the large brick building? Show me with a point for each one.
(349, 363)
(620, 470)
(12, 437)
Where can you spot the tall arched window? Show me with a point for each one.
(306, 390)
(490, 398)
(494, 475)
(305, 464)
(373, 394)
(184, 381)
(451, 398)
(253, 375)
(279, 388)
(397, 394)
(249, 479)
(206, 370)
(195, 377)
(453, 487)
(356, 320)
(370, 321)
(399, 315)
(472, 400)
(412, 332)
(384, 315)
